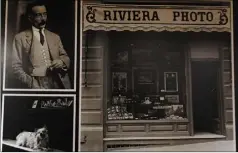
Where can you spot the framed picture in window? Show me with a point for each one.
(120, 58)
(171, 81)
(144, 81)
(172, 98)
(119, 82)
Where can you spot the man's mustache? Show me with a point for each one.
(42, 23)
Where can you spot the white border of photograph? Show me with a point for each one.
(75, 54)
(43, 95)
(80, 70)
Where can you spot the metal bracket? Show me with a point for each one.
(83, 140)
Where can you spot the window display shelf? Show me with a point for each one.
(147, 121)
(12, 144)
(140, 111)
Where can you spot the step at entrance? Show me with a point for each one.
(113, 144)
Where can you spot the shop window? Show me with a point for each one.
(146, 77)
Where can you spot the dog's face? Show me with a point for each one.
(42, 132)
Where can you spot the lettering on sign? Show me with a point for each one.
(114, 17)
(53, 103)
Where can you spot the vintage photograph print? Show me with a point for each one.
(176, 62)
(38, 123)
(40, 50)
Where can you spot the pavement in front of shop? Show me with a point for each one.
(207, 146)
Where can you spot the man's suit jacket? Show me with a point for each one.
(21, 61)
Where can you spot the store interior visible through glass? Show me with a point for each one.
(146, 73)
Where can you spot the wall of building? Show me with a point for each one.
(92, 92)
(227, 79)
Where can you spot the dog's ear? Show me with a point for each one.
(45, 126)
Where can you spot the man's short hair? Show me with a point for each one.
(33, 4)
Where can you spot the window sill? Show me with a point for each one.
(146, 121)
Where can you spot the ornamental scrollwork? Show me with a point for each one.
(91, 14)
(223, 17)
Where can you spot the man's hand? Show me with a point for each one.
(35, 84)
(57, 64)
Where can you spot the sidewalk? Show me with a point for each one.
(208, 146)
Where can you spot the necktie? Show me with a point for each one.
(42, 39)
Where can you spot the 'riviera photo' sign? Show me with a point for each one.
(158, 18)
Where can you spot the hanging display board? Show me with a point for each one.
(156, 18)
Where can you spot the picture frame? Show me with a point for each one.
(172, 98)
(33, 111)
(119, 82)
(171, 81)
(121, 58)
(144, 80)
(65, 80)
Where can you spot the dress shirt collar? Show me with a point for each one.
(37, 30)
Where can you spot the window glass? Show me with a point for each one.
(146, 77)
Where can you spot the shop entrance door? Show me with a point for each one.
(206, 96)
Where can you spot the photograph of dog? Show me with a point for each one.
(38, 123)
(38, 140)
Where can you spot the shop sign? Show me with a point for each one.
(156, 18)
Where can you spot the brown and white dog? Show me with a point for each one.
(38, 140)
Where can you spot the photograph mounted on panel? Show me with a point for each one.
(172, 98)
(38, 123)
(40, 55)
(171, 81)
(121, 58)
(144, 81)
(119, 82)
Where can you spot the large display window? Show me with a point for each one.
(147, 77)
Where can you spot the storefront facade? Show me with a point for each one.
(153, 79)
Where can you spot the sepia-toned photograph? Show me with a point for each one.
(39, 123)
(40, 52)
(178, 60)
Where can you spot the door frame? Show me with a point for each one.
(188, 74)
(221, 107)
(221, 91)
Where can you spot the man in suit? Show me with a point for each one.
(39, 60)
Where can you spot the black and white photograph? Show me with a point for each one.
(171, 81)
(40, 48)
(38, 123)
(180, 76)
(119, 82)
(144, 80)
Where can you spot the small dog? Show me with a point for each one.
(38, 140)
